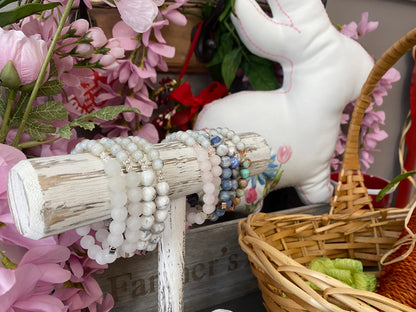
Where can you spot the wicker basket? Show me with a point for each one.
(279, 246)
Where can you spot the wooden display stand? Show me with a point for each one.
(51, 195)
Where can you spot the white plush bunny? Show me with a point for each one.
(323, 71)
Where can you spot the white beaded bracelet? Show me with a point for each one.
(134, 210)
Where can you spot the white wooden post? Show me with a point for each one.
(51, 195)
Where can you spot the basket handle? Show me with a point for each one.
(351, 194)
(387, 60)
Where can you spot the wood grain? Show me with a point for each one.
(51, 195)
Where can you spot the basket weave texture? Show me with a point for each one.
(280, 246)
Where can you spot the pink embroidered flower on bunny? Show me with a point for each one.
(250, 195)
(284, 153)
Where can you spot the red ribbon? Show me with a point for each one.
(183, 95)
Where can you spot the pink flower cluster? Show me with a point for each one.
(130, 83)
(370, 133)
(44, 267)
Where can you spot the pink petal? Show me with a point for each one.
(149, 132)
(53, 273)
(9, 156)
(138, 14)
(42, 303)
(162, 49)
(46, 254)
(126, 36)
(176, 17)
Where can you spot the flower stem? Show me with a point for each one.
(42, 73)
(35, 143)
(4, 126)
(7, 264)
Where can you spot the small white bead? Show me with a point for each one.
(209, 199)
(216, 171)
(115, 240)
(162, 188)
(131, 147)
(148, 177)
(162, 202)
(189, 141)
(155, 238)
(146, 222)
(97, 225)
(122, 156)
(110, 258)
(222, 150)
(207, 177)
(115, 148)
(118, 199)
(208, 188)
(119, 214)
(133, 179)
(151, 247)
(117, 184)
(153, 154)
(161, 215)
(131, 236)
(134, 194)
(208, 208)
(93, 251)
(128, 247)
(133, 223)
(137, 156)
(205, 165)
(83, 230)
(148, 208)
(101, 235)
(157, 164)
(135, 209)
(97, 149)
(143, 235)
(158, 227)
(240, 146)
(87, 241)
(149, 193)
(117, 228)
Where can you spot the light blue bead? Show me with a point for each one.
(219, 212)
(216, 140)
(244, 173)
(234, 184)
(226, 184)
(224, 196)
(226, 173)
(225, 161)
(234, 163)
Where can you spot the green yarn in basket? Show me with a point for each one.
(348, 271)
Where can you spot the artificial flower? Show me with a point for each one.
(138, 14)
(26, 53)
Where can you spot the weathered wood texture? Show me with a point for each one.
(171, 261)
(216, 270)
(51, 195)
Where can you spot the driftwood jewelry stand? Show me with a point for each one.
(51, 195)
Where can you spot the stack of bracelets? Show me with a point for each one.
(228, 171)
(139, 200)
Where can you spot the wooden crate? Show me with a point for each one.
(216, 270)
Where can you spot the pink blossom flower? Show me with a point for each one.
(81, 27)
(173, 15)
(138, 14)
(9, 156)
(250, 195)
(283, 154)
(364, 26)
(350, 30)
(126, 36)
(26, 53)
(98, 37)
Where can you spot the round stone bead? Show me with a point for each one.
(83, 230)
(141, 245)
(239, 193)
(245, 163)
(87, 241)
(146, 222)
(133, 179)
(137, 156)
(148, 208)
(119, 214)
(158, 227)
(242, 183)
(225, 161)
(134, 194)
(93, 251)
(234, 162)
(117, 227)
(143, 235)
(222, 150)
(162, 188)
(162, 202)
(216, 140)
(115, 240)
(153, 154)
(149, 193)
(112, 168)
(157, 164)
(115, 149)
(224, 195)
(131, 147)
(219, 212)
(161, 215)
(244, 173)
(234, 184)
(226, 173)
(101, 235)
(226, 184)
(133, 223)
(148, 177)
(97, 149)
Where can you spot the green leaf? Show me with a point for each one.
(260, 73)
(38, 130)
(24, 10)
(228, 8)
(396, 180)
(225, 46)
(49, 111)
(230, 65)
(65, 132)
(18, 111)
(49, 88)
(108, 113)
(87, 125)
(3, 3)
